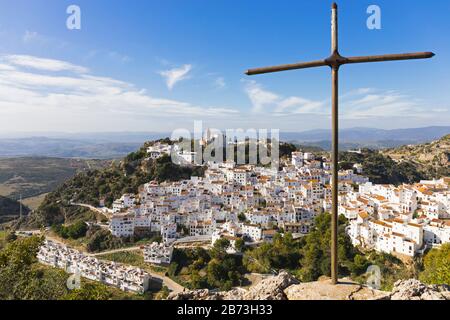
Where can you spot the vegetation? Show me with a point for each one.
(282, 253)
(199, 268)
(73, 231)
(437, 266)
(381, 169)
(98, 239)
(126, 257)
(431, 159)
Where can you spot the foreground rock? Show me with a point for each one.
(325, 290)
(413, 289)
(285, 287)
(271, 288)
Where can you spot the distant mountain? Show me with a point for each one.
(64, 148)
(369, 137)
(115, 145)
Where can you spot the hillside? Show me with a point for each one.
(432, 159)
(380, 168)
(10, 209)
(32, 176)
(109, 183)
(405, 164)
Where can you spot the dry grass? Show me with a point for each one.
(34, 202)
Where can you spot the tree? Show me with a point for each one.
(11, 236)
(282, 253)
(219, 250)
(89, 291)
(437, 266)
(239, 244)
(316, 254)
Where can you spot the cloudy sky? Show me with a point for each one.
(160, 65)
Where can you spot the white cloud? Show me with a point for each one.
(219, 83)
(383, 104)
(362, 106)
(175, 75)
(41, 63)
(259, 97)
(80, 101)
(264, 100)
(33, 37)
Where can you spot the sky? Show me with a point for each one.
(154, 65)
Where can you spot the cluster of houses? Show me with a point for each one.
(159, 149)
(405, 219)
(236, 202)
(253, 203)
(126, 278)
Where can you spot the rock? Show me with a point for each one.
(413, 289)
(285, 287)
(325, 290)
(202, 294)
(271, 288)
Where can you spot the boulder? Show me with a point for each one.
(413, 289)
(325, 290)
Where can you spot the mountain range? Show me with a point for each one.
(113, 145)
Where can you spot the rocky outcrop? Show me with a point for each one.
(413, 289)
(285, 287)
(271, 288)
(325, 290)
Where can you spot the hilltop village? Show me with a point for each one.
(253, 203)
(249, 205)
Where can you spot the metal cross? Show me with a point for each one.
(335, 61)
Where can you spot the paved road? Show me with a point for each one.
(169, 283)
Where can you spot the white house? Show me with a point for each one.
(158, 253)
(253, 232)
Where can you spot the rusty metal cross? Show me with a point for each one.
(335, 61)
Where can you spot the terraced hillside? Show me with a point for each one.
(433, 159)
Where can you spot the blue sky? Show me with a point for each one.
(148, 65)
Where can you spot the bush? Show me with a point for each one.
(437, 266)
(73, 231)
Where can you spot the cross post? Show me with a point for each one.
(334, 61)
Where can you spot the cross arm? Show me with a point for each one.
(285, 67)
(389, 57)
